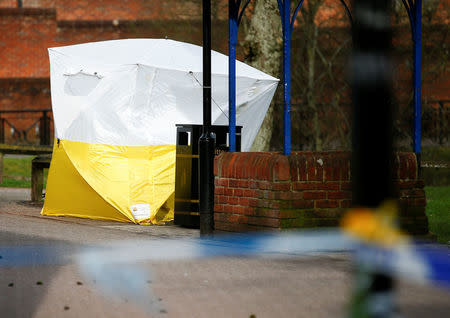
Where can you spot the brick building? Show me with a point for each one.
(27, 31)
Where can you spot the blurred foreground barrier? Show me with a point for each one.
(416, 261)
(117, 266)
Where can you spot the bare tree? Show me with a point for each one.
(263, 49)
(320, 51)
(319, 81)
(435, 67)
(310, 78)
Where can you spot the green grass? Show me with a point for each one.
(17, 172)
(438, 212)
(12, 183)
(17, 166)
(431, 153)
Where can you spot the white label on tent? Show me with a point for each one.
(140, 211)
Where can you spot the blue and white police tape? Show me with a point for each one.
(414, 261)
(116, 266)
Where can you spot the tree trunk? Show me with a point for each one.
(263, 50)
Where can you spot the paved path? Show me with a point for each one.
(14, 194)
(317, 286)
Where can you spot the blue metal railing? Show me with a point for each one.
(235, 14)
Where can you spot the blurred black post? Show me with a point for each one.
(207, 140)
(372, 136)
(372, 103)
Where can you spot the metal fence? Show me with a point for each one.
(26, 127)
(436, 121)
(35, 126)
(334, 124)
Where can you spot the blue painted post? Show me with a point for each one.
(286, 19)
(288, 26)
(417, 76)
(232, 42)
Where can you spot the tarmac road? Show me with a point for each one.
(315, 286)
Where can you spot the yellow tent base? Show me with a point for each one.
(125, 184)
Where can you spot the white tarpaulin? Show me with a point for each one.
(133, 92)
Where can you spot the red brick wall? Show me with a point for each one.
(28, 3)
(98, 10)
(23, 94)
(8, 3)
(127, 10)
(74, 32)
(259, 191)
(25, 35)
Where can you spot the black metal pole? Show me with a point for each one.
(207, 139)
(372, 136)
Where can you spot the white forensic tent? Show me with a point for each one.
(115, 107)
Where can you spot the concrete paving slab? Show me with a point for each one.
(57, 291)
(227, 287)
(316, 286)
(14, 194)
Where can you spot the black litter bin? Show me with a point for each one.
(187, 208)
